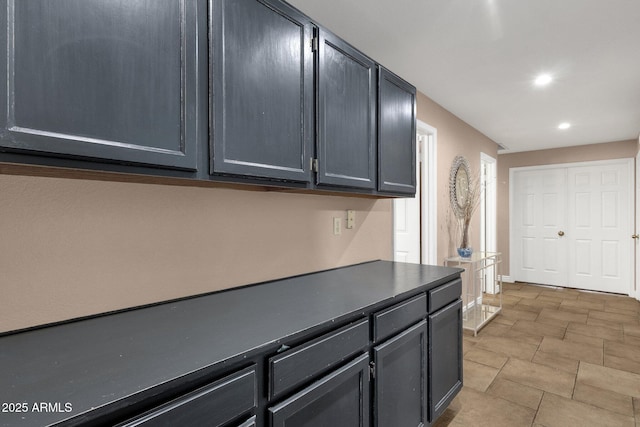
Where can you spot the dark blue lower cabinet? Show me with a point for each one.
(445, 357)
(355, 362)
(340, 398)
(400, 379)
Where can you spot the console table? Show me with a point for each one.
(482, 288)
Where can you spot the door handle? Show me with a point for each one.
(560, 233)
(635, 236)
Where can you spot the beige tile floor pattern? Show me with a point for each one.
(554, 357)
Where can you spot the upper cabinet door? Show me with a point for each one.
(262, 90)
(102, 79)
(346, 115)
(396, 134)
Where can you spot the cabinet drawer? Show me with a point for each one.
(212, 405)
(443, 295)
(398, 317)
(340, 398)
(249, 423)
(302, 363)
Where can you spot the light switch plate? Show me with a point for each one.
(351, 219)
(337, 226)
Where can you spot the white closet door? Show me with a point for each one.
(599, 228)
(539, 253)
(406, 220)
(406, 230)
(572, 225)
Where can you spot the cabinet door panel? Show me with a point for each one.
(396, 134)
(445, 357)
(109, 80)
(339, 399)
(262, 98)
(346, 116)
(401, 379)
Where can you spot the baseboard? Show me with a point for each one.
(507, 279)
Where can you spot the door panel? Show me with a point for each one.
(401, 379)
(540, 254)
(599, 227)
(102, 80)
(406, 220)
(262, 98)
(346, 116)
(445, 358)
(401, 242)
(396, 134)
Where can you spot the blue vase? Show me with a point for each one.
(465, 252)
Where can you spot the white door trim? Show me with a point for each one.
(488, 214)
(628, 162)
(429, 214)
(637, 226)
(488, 205)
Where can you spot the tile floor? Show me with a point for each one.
(554, 357)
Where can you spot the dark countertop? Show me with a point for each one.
(99, 361)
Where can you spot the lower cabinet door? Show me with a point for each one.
(445, 357)
(339, 399)
(401, 379)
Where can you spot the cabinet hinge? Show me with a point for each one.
(372, 370)
(314, 165)
(314, 44)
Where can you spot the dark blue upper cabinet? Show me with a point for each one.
(262, 90)
(396, 134)
(346, 115)
(103, 80)
(127, 86)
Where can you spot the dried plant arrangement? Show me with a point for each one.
(473, 201)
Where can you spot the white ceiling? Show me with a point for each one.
(478, 59)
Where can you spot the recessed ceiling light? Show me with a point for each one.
(543, 80)
(564, 125)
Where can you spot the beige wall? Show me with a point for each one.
(607, 151)
(76, 247)
(455, 137)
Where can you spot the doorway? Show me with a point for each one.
(570, 225)
(415, 219)
(488, 215)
